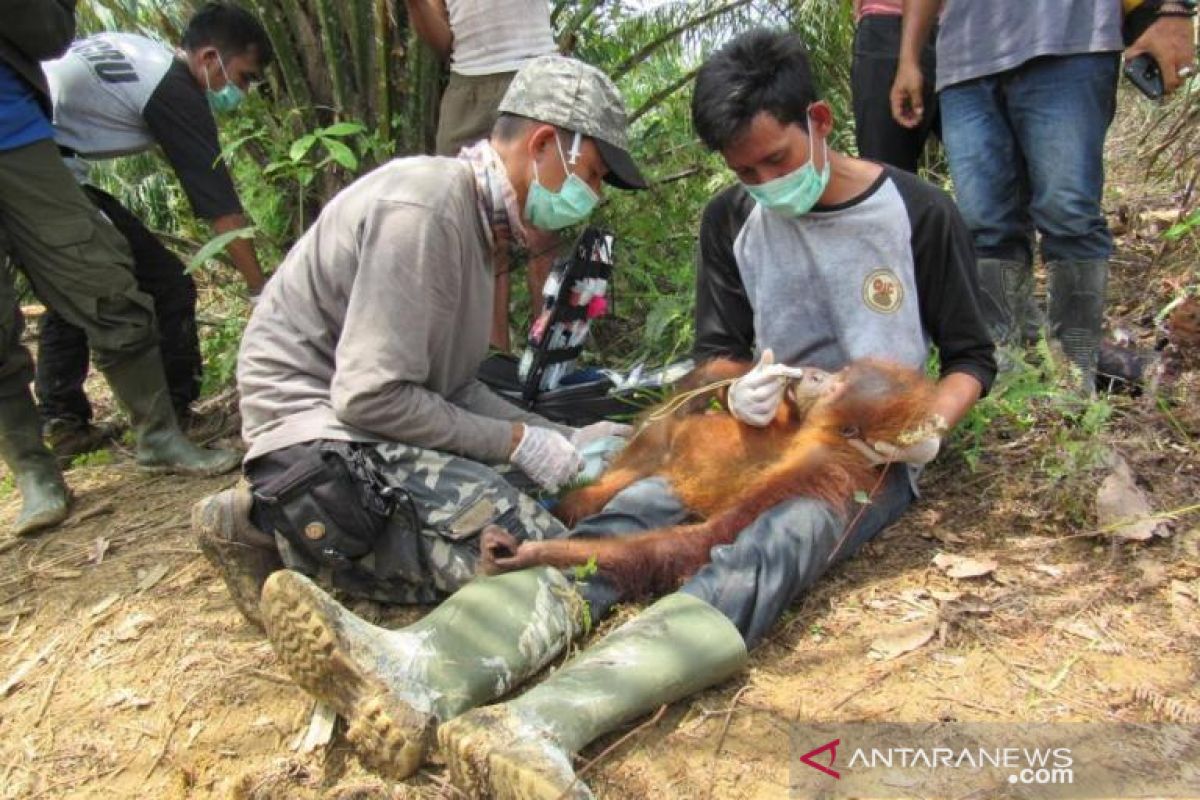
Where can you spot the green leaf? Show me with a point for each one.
(342, 129)
(217, 244)
(861, 497)
(302, 146)
(1183, 226)
(341, 154)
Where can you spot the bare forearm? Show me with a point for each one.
(918, 19)
(241, 251)
(956, 393)
(431, 21)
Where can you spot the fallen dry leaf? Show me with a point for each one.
(104, 605)
(320, 729)
(1185, 605)
(148, 578)
(962, 567)
(97, 549)
(904, 639)
(1122, 509)
(132, 626)
(1048, 569)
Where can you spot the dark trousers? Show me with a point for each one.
(62, 363)
(771, 564)
(879, 136)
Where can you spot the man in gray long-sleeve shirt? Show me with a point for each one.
(373, 448)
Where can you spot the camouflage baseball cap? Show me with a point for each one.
(576, 96)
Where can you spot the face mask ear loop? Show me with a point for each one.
(575, 148)
(824, 147)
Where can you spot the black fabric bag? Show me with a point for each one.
(330, 503)
(543, 380)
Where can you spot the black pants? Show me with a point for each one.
(879, 136)
(62, 362)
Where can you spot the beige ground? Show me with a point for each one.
(125, 672)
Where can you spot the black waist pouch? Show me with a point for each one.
(330, 503)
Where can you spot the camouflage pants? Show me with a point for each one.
(430, 545)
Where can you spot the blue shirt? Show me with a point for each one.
(22, 120)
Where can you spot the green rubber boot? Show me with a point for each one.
(141, 388)
(1077, 292)
(394, 687)
(44, 496)
(521, 750)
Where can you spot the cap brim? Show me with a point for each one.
(622, 172)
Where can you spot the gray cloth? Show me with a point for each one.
(375, 325)
(430, 547)
(770, 565)
(100, 89)
(985, 37)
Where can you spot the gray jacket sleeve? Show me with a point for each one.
(477, 397)
(403, 288)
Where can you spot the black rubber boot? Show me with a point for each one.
(44, 496)
(244, 555)
(1076, 305)
(1006, 299)
(141, 388)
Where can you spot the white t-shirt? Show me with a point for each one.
(492, 36)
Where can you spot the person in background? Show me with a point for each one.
(115, 94)
(77, 264)
(876, 52)
(486, 42)
(1027, 92)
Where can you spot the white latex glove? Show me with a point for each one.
(918, 454)
(584, 436)
(547, 457)
(754, 398)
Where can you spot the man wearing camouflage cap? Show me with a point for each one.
(375, 455)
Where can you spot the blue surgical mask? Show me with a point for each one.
(228, 97)
(573, 203)
(795, 194)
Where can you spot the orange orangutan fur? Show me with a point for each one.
(727, 473)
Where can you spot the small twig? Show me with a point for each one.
(712, 770)
(66, 661)
(588, 766)
(171, 730)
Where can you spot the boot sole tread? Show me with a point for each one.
(482, 761)
(390, 737)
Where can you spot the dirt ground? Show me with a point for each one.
(125, 670)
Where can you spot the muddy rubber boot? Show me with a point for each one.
(1076, 311)
(1005, 298)
(243, 555)
(522, 748)
(44, 497)
(394, 687)
(141, 388)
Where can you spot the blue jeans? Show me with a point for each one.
(1026, 151)
(772, 562)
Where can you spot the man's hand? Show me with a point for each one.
(1170, 41)
(754, 398)
(907, 96)
(584, 436)
(918, 454)
(546, 456)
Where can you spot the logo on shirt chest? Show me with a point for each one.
(882, 291)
